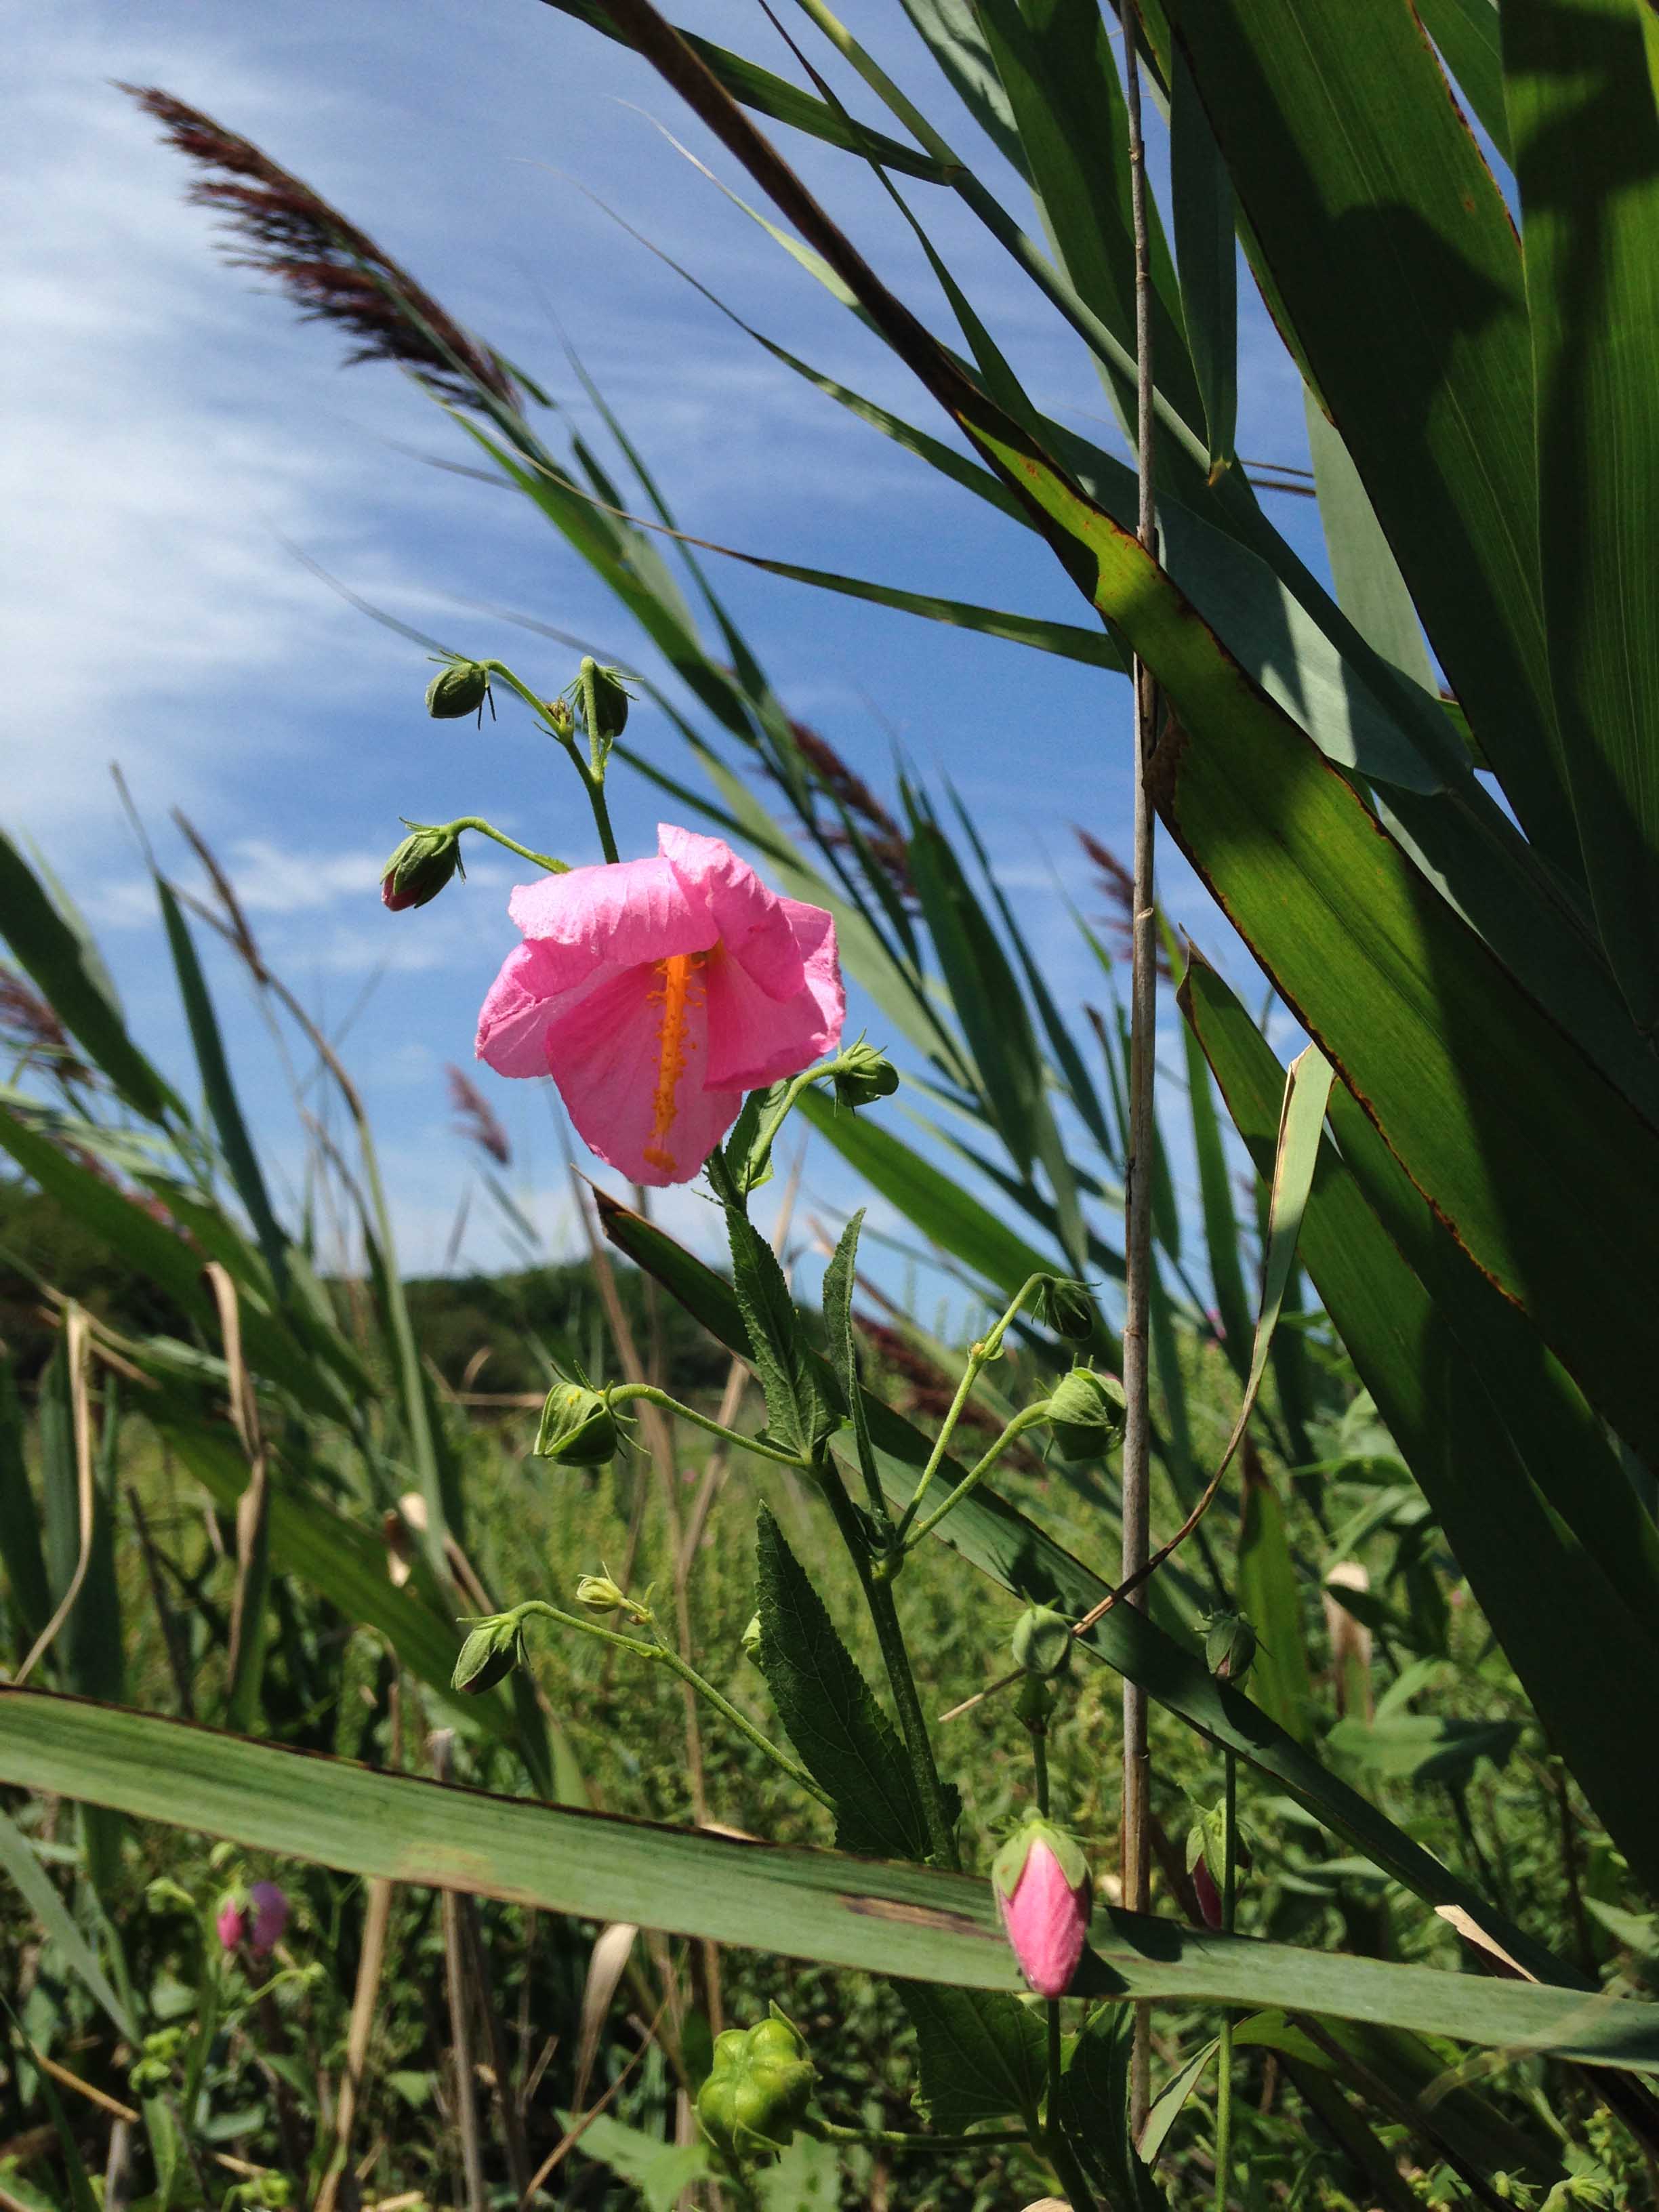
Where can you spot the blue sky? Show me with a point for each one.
(172, 439)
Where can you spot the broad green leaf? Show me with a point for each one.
(1395, 256)
(769, 94)
(916, 1922)
(21, 1555)
(798, 1410)
(73, 984)
(845, 1740)
(1534, 1581)
(1566, 1450)
(1091, 2105)
(1270, 1597)
(1425, 1746)
(661, 2172)
(1585, 129)
(1467, 34)
(58, 1923)
(1469, 849)
(1014, 1552)
(988, 999)
(950, 30)
(240, 1157)
(1207, 249)
(980, 2056)
(937, 1207)
(1370, 588)
(1055, 60)
(1221, 1227)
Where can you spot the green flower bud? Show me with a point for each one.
(609, 700)
(420, 867)
(489, 1655)
(578, 1428)
(1043, 1642)
(1065, 1304)
(751, 1639)
(863, 1075)
(1228, 1647)
(457, 690)
(758, 2090)
(1086, 1413)
(600, 1594)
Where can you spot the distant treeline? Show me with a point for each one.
(516, 1321)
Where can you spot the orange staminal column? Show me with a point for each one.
(678, 992)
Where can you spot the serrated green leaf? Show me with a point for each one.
(980, 2056)
(845, 1740)
(799, 1412)
(1092, 2107)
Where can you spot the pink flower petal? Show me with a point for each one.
(751, 919)
(629, 1058)
(1047, 1921)
(631, 911)
(754, 1040)
(513, 1021)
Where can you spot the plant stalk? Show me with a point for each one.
(1137, 1176)
(1223, 2092)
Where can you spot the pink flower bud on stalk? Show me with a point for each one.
(1208, 1896)
(1042, 1889)
(270, 1916)
(232, 1923)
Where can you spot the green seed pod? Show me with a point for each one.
(863, 1075)
(1043, 1642)
(420, 867)
(759, 2089)
(578, 1428)
(609, 700)
(1065, 1304)
(489, 1655)
(1086, 1413)
(1228, 1647)
(457, 690)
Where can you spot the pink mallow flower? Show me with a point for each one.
(270, 1916)
(655, 992)
(1041, 1881)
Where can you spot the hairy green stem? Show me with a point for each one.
(884, 1613)
(591, 772)
(662, 1654)
(489, 830)
(1061, 2154)
(1030, 1419)
(891, 2139)
(980, 1356)
(627, 1393)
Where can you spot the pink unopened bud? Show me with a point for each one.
(1208, 1896)
(232, 1923)
(270, 1916)
(1041, 1881)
